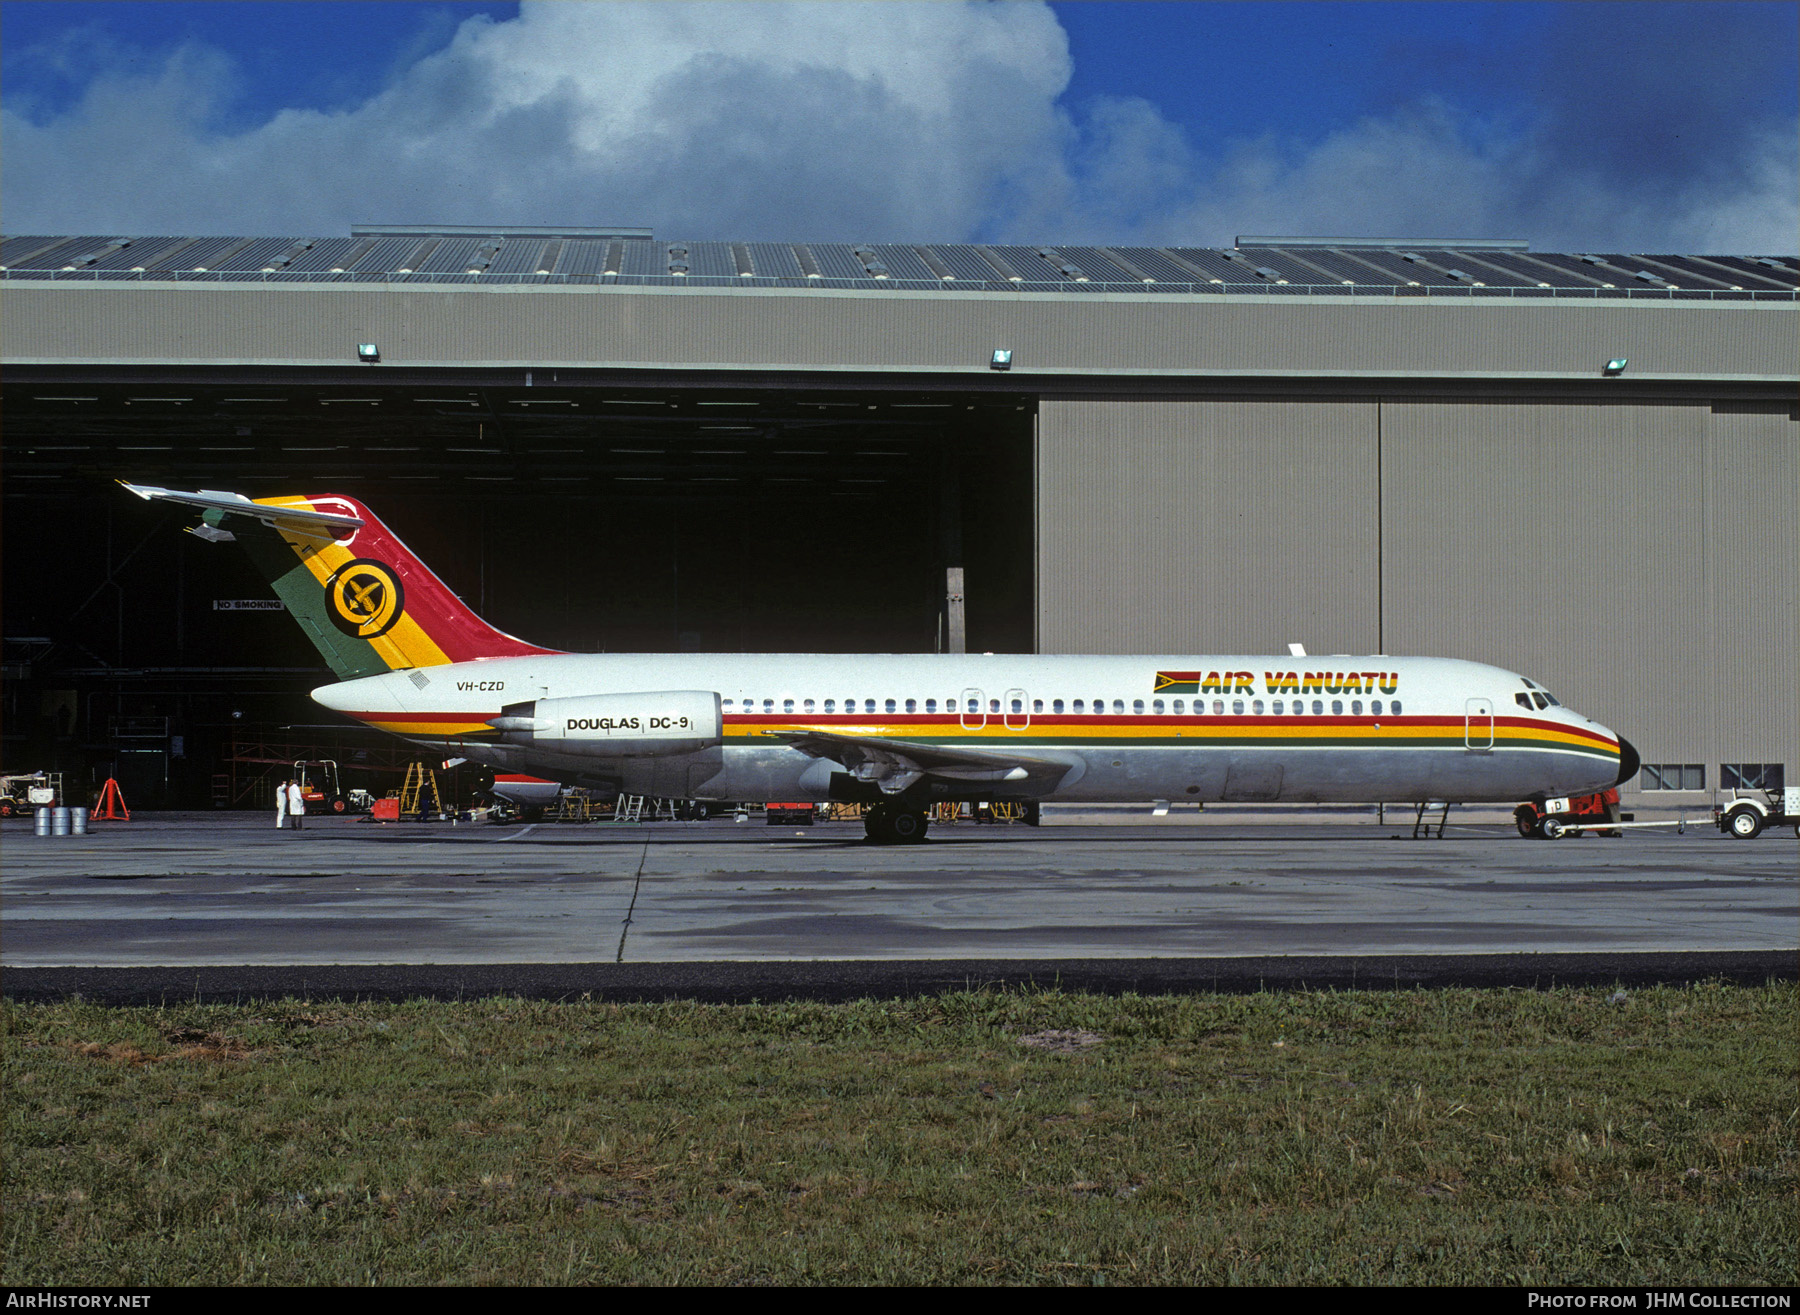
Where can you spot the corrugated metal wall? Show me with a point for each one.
(752, 329)
(1206, 526)
(1641, 558)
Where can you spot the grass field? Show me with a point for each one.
(1453, 1137)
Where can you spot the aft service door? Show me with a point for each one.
(1015, 712)
(973, 710)
(1478, 725)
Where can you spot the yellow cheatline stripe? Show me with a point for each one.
(417, 728)
(406, 644)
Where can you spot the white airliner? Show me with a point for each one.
(897, 732)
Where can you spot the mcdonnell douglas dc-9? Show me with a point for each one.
(896, 733)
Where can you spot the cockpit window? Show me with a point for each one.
(1523, 700)
(1539, 698)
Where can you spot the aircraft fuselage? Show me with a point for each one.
(1122, 729)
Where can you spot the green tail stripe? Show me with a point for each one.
(348, 656)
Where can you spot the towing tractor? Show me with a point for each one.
(27, 792)
(1751, 812)
(1551, 819)
(323, 789)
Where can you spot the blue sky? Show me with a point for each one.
(1607, 126)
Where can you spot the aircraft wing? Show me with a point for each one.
(895, 764)
(299, 519)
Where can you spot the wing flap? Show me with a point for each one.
(895, 764)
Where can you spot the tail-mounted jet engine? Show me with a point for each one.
(646, 725)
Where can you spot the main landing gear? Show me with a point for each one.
(889, 824)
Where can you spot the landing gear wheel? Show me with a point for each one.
(895, 826)
(908, 828)
(1744, 823)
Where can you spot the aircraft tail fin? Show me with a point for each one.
(367, 603)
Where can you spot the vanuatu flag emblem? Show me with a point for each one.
(1177, 682)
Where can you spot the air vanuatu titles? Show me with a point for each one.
(1277, 682)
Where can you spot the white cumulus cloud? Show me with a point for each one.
(888, 121)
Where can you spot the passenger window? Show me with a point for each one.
(1018, 705)
(912, 705)
(1237, 707)
(809, 705)
(1276, 707)
(931, 705)
(726, 704)
(1118, 707)
(1299, 708)
(831, 705)
(768, 705)
(1356, 707)
(1037, 705)
(1218, 707)
(1056, 705)
(787, 705)
(1157, 707)
(1375, 708)
(1256, 707)
(1318, 707)
(889, 706)
(868, 705)
(993, 705)
(1337, 707)
(1180, 707)
(1394, 708)
(1137, 707)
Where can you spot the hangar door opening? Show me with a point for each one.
(590, 520)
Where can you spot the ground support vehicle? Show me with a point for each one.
(323, 789)
(27, 792)
(779, 814)
(1751, 812)
(1564, 816)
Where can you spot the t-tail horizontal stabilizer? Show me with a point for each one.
(366, 602)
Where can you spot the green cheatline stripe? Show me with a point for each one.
(1221, 742)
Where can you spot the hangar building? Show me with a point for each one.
(1585, 467)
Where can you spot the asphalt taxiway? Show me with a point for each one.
(228, 893)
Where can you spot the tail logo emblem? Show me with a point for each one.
(364, 598)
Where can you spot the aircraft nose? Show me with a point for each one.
(1628, 760)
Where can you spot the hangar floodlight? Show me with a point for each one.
(368, 353)
(1001, 359)
(1616, 366)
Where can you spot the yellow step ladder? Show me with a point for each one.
(419, 778)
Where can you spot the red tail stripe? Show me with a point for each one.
(443, 616)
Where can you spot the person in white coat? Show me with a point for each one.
(296, 805)
(281, 805)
